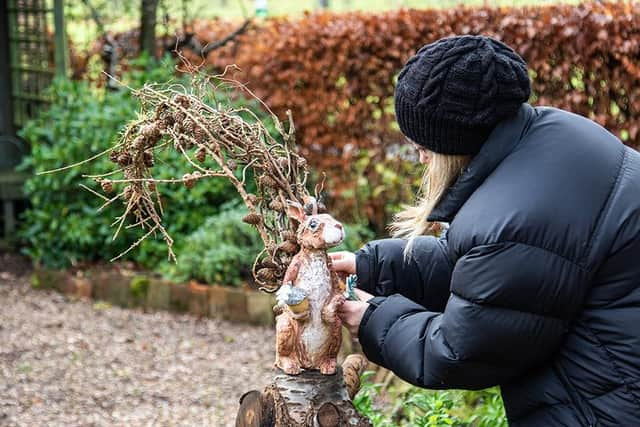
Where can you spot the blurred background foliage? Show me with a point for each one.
(120, 15)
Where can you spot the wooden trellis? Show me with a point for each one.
(37, 50)
(32, 51)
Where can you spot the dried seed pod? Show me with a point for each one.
(168, 119)
(188, 125)
(183, 100)
(177, 128)
(201, 154)
(148, 159)
(276, 205)
(183, 142)
(139, 142)
(252, 218)
(289, 235)
(283, 162)
(231, 164)
(162, 110)
(151, 185)
(199, 134)
(288, 247)
(150, 131)
(268, 263)
(128, 192)
(179, 116)
(266, 275)
(107, 186)
(124, 159)
(267, 181)
(113, 156)
(188, 180)
(252, 198)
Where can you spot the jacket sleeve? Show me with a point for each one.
(508, 312)
(423, 278)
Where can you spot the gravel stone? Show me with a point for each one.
(75, 362)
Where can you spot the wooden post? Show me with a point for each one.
(148, 12)
(60, 51)
(6, 114)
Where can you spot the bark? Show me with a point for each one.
(148, 11)
(306, 400)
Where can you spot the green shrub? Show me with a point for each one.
(365, 403)
(488, 409)
(223, 249)
(409, 406)
(431, 409)
(62, 225)
(220, 251)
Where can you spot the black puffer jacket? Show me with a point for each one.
(536, 285)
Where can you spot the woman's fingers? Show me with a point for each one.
(341, 265)
(364, 296)
(337, 255)
(351, 312)
(343, 261)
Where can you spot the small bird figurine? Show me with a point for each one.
(292, 296)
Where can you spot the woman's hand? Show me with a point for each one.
(343, 263)
(351, 312)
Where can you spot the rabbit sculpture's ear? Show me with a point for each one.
(295, 211)
(310, 205)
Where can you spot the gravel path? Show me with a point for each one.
(70, 362)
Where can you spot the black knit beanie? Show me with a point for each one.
(454, 91)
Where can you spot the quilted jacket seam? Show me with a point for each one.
(611, 390)
(606, 206)
(492, 305)
(614, 365)
(531, 245)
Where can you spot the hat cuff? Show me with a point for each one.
(437, 132)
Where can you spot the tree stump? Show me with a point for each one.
(306, 400)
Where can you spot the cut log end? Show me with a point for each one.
(328, 415)
(256, 410)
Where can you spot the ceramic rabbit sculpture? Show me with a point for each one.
(308, 330)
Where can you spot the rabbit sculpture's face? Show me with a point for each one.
(319, 231)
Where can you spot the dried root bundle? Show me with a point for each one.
(232, 139)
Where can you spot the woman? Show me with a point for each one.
(535, 285)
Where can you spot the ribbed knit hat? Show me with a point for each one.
(453, 92)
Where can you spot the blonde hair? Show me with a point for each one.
(441, 172)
